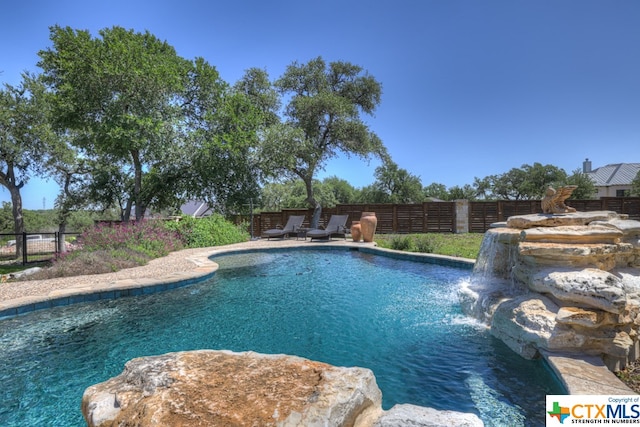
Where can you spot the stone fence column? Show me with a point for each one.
(462, 216)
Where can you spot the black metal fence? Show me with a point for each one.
(33, 247)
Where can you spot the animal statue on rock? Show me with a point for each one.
(553, 201)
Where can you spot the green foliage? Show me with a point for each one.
(400, 242)
(25, 137)
(460, 193)
(525, 183)
(213, 230)
(322, 121)
(108, 248)
(293, 194)
(224, 171)
(426, 243)
(151, 238)
(40, 220)
(46, 221)
(529, 182)
(343, 192)
(137, 107)
(436, 191)
(586, 188)
(396, 185)
(369, 194)
(6, 218)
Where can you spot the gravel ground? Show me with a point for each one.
(177, 261)
(181, 261)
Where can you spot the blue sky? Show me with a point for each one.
(470, 88)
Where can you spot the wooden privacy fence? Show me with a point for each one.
(483, 214)
(460, 216)
(410, 218)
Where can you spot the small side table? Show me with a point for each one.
(302, 232)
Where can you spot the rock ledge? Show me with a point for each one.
(210, 388)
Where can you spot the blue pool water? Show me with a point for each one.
(400, 319)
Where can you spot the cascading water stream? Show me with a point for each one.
(492, 280)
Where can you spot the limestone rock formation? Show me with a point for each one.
(569, 282)
(223, 388)
(524, 222)
(418, 416)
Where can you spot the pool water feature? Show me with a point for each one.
(400, 319)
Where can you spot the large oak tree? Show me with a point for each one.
(25, 138)
(322, 119)
(134, 103)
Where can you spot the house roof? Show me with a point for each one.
(614, 174)
(195, 208)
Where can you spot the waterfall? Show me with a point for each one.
(492, 279)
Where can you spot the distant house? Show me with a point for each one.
(196, 209)
(612, 180)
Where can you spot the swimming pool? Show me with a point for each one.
(399, 318)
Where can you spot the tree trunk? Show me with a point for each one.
(62, 229)
(125, 214)
(315, 219)
(65, 212)
(311, 201)
(18, 219)
(8, 180)
(137, 184)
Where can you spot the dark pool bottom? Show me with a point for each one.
(398, 318)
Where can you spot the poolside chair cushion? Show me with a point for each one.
(294, 222)
(335, 226)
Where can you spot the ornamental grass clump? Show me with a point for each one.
(401, 243)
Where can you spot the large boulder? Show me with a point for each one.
(524, 222)
(223, 388)
(602, 256)
(629, 227)
(572, 234)
(205, 388)
(527, 323)
(588, 287)
(530, 323)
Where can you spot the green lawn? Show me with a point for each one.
(465, 245)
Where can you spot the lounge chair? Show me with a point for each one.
(335, 226)
(294, 222)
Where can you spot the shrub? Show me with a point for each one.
(105, 249)
(214, 230)
(152, 238)
(426, 243)
(87, 261)
(401, 242)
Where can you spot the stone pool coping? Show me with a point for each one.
(578, 374)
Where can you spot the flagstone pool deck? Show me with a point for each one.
(579, 375)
